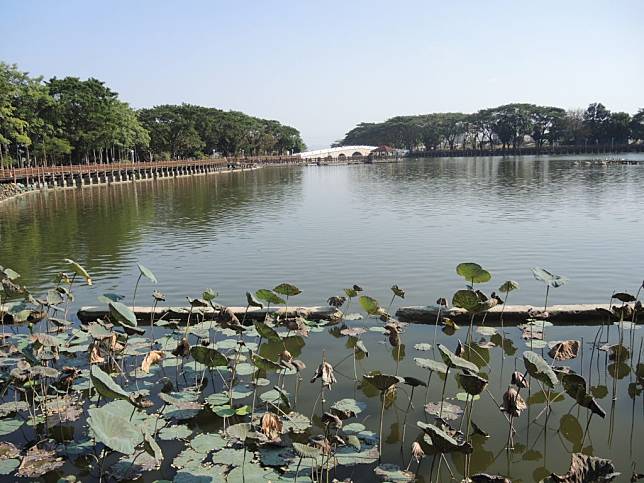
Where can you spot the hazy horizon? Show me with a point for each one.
(324, 68)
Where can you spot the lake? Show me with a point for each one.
(324, 228)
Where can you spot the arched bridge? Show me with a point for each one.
(339, 153)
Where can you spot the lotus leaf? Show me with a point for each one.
(266, 331)
(122, 314)
(383, 381)
(452, 360)
(548, 278)
(208, 356)
(473, 272)
(473, 384)
(391, 472)
(370, 305)
(431, 365)
(79, 270)
(287, 290)
(442, 441)
(106, 386)
(269, 296)
(114, 431)
(538, 368)
(147, 273)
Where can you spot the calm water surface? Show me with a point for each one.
(410, 223)
(325, 228)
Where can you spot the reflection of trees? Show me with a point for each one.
(98, 225)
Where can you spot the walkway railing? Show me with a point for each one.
(45, 172)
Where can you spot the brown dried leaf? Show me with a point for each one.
(271, 425)
(564, 350)
(37, 462)
(585, 468)
(325, 371)
(513, 403)
(151, 358)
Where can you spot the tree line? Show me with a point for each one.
(510, 125)
(71, 121)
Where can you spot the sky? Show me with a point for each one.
(324, 67)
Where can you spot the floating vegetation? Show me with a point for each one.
(219, 394)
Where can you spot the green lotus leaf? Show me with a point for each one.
(10, 273)
(208, 356)
(431, 365)
(122, 314)
(452, 360)
(361, 347)
(239, 431)
(548, 278)
(180, 431)
(204, 443)
(414, 382)
(473, 384)
(442, 441)
(306, 451)
(391, 473)
(152, 447)
(398, 292)
(252, 301)
(538, 368)
(8, 426)
(446, 410)
(473, 272)
(472, 301)
(269, 296)
(209, 295)
(348, 407)
(624, 297)
(350, 292)
(509, 286)
(574, 385)
(106, 386)
(115, 432)
(147, 273)
(370, 305)
(296, 423)
(383, 381)
(265, 364)
(8, 466)
(267, 332)
(79, 270)
(287, 290)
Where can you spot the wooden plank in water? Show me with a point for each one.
(577, 314)
(145, 314)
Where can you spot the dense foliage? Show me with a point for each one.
(511, 125)
(71, 120)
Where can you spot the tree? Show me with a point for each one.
(596, 120)
(637, 126)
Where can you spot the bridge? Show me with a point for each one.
(339, 153)
(77, 175)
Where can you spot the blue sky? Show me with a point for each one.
(325, 66)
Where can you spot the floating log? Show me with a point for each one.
(578, 314)
(145, 314)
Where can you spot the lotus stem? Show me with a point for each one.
(382, 415)
(136, 287)
(440, 412)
